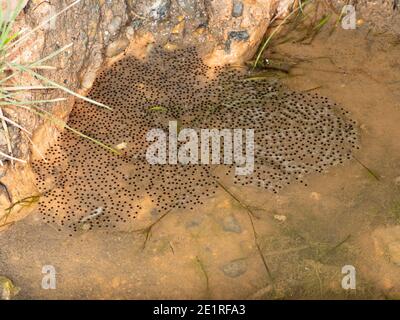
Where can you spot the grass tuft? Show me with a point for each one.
(10, 70)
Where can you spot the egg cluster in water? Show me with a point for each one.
(82, 183)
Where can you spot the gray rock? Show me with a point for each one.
(236, 36)
(115, 25)
(136, 23)
(237, 9)
(235, 268)
(188, 6)
(239, 35)
(160, 9)
(230, 224)
(194, 223)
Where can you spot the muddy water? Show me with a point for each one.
(348, 216)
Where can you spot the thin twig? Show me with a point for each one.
(11, 157)
(6, 134)
(147, 230)
(334, 248)
(25, 88)
(373, 174)
(14, 123)
(205, 275)
(275, 31)
(251, 216)
(36, 148)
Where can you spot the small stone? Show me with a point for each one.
(188, 5)
(280, 217)
(136, 24)
(178, 28)
(160, 9)
(235, 268)
(230, 224)
(117, 47)
(239, 35)
(7, 289)
(235, 36)
(237, 9)
(114, 25)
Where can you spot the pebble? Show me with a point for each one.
(239, 35)
(235, 268)
(280, 217)
(114, 25)
(237, 9)
(160, 9)
(188, 5)
(230, 224)
(136, 24)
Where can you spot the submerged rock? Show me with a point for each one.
(230, 224)
(239, 35)
(235, 268)
(237, 9)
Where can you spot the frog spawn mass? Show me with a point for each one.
(83, 184)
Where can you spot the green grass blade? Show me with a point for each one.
(47, 115)
(273, 33)
(322, 22)
(44, 79)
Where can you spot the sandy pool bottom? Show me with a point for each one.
(304, 234)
